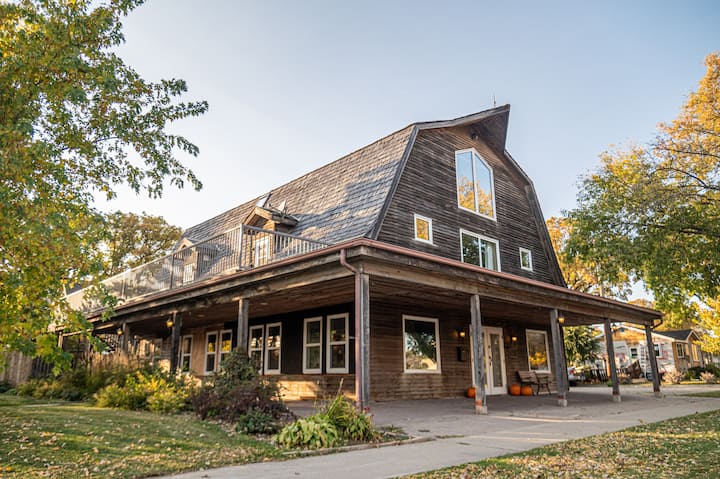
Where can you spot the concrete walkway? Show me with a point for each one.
(514, 424)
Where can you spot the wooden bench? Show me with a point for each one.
(536, 381)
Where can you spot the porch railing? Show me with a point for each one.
(241, 248)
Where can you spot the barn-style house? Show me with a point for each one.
(414, 267)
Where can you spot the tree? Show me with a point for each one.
(581, 345)
(586, 276)
(654, 211)
(75, 120)
(136, 239)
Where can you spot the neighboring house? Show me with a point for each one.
(371, 271)
(675, 350)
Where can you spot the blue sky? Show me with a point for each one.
(293, 85)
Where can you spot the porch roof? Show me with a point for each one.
(321, 273)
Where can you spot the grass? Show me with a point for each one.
(69, 440)
(687, 447)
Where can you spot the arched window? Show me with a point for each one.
(475, 185)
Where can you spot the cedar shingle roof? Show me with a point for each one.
(678, 334)
(337, 202)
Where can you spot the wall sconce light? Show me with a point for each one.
(510, 340)
(169, 323)
(561, 319)
(119, 331)
(461, 333)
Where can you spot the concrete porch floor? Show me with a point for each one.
(513, 424)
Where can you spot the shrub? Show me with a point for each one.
(5, 387)
(708, 378)
(238, 390)
(350, 422)
(695, 372)
(673, 377)
(74, 385)
(151, 389)
(313, 432)
(257, 422)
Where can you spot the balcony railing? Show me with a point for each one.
(238, 249)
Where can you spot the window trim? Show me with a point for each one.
(266, 370)
(329, 344)
(250, 350)
(529, 253)
(305, 369)
(680, 350)
(219, 360)
(417, 217)
(547, 350)
(437, 345)
(207, 342)
(187, 354)
(481, 238)
(492, 184)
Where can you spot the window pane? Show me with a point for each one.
(483, 187)
(226, 342)
(422, 229)
(313, 332)
(537, 351)
(337, 329)
(211, 343)
(210, 362)
(489, 255)
(470, 249)
(273, 360)
(312, 358)
(256, 357)
(525, 260)
(185, 366)
(187, 342)
(256, 338)
(273, 339)
(466, 193)
(337, 356)
(420, 345)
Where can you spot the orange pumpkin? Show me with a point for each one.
(526, 391)
(514, 389)
(470, 392)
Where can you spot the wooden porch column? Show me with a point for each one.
(559, 358)
(478, 356)
(653, 362)
(175, 342)
(242, 323)
(362, 340)
(125, 337)
(611, 361)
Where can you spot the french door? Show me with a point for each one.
(494, 358)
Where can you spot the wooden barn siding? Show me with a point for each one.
(428, 187)
(389, 381)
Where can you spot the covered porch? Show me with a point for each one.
(368, 300)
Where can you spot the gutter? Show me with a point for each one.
(358, 330)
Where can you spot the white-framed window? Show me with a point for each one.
(185, 353)
(479, 250)
(211, 349)
(423, 228)
(421, 345)
(225, 345)
(526, 259)
(538, 350)
(680, 347)
(273, 341)
(256, 341)
(312, 345)
(475, 183)
(633, 353)
(657, 350)
(337, 343)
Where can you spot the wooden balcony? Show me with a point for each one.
(241, 248)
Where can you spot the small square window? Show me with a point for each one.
(423, 229)
(526, 259)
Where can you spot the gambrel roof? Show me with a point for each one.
(348, 198)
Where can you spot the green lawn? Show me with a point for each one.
(687, 447)
(67, 440)
(706, 394)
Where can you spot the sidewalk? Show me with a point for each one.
(461, 436)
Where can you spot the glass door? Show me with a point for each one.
(494, 357)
